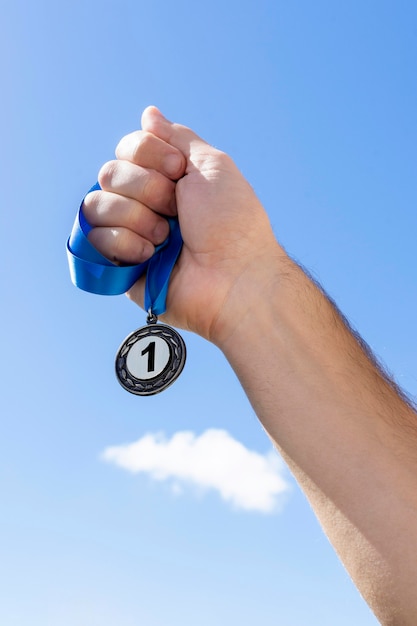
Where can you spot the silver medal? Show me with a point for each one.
(150, 358)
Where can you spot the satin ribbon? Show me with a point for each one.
(93, 272)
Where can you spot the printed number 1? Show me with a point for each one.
(150, 351)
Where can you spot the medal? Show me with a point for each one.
(150, 358)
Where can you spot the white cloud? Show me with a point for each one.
(213, 460)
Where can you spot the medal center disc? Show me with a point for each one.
(148, 358)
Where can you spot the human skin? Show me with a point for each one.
(345, 430)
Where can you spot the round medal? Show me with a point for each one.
(150, 359)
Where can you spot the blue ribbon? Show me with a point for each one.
(93, 272)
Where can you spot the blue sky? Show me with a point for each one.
(316, 103)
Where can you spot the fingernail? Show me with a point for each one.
(147, 251)
(158, 112)
(161, 231)
(172, 164)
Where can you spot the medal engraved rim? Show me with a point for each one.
(174, 367)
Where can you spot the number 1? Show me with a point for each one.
(150, 351)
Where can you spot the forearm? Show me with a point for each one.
(348, 436)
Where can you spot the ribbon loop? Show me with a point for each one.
(93, 272)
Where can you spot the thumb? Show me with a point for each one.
(176, 135)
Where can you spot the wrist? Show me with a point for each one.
(250, 293)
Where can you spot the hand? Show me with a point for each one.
(228, 242)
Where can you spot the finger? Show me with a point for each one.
(176, 135)
(146, 150)
(102, 208)
(121, 245)
(146, 186)
(137, 292)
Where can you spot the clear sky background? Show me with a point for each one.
(316, 102)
